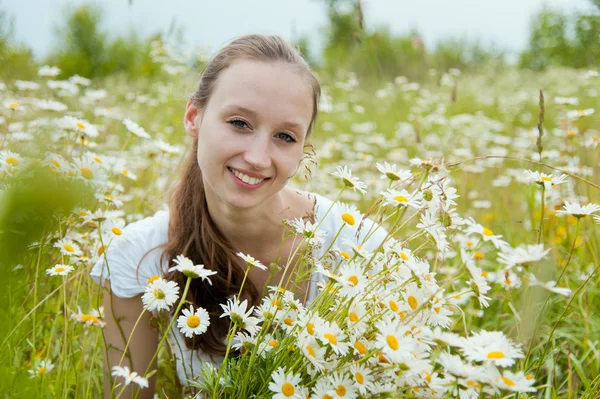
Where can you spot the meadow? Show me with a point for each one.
(519, 148)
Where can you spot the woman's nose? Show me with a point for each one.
(257, 154)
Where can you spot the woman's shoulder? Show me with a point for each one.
(138, 245)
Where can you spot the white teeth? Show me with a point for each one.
(245, 178)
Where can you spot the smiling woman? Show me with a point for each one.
(249, 120)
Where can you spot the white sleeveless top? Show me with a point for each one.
(125, 252)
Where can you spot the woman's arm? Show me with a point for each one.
(142, 347)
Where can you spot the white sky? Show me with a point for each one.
(211, 23)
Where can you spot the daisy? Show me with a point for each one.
(49, 71)
(491, 347)
(88, 169)
(392, 173)
(350, 214)
(393, 342)
(357, 316)
(238, 313)
(516, 382)
(312, 350)
(40, 369)
(187, 267)
(578, 113)
(330, 334)
(312, 235)
(343, 386)
(549, 285)
(486, 233)
(575, 209)
(322, 389)
(92, 318)
(546, 180)
(10, 159)
(192, 323)
(68, 247)
(129, 376)
(522, 255)
(353, 279)
(354, 183)
(78, 125)
(251, 262)
(60, 270)
(160, 294)
(362, 378)
(136, 129)
(401, 198)
(285, 385)
(121, 169)
(113, 227)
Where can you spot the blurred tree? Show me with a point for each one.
(16, 61)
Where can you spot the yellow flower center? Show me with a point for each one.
(484, 274)
(427, 377)
(400, 198)
(289, 321)
(326, 397)
(158, 294)
(153, 279)
(287, 389)
(340, 390)
(80, 125)
(469, 243)
(345, 254)
(353, 317)
(360, 347)
(546, 178)
(529, 376)
(55, 163)
(125, 172)
(403, 256)
(97, 159)
(495, 355)
(353, 280)
(193, 321)
(274, 343)
(69, 248)
(12, 161)
(571, 133)
(394, 306)
(59, 269)
(412, 302)
(488, 232)
(348, 218)
(478, 255)
(392, 342)
(359, 377)
(88, 317)
(310, 350)
(87, 173)
(508, 381)
(13, 105)
(331, 338)
(41, 370)
(472, 383)
(116, 231)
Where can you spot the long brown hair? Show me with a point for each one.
(192, 232)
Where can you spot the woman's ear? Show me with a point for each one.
(192, 119)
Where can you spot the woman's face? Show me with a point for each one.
(251, 133)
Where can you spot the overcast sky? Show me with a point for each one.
(211, 23)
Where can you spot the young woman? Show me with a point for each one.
(249, 121)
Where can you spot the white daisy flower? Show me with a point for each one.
(546, 180)
(251, 262)
(136, 129)
(160, 294)
(353, 279)
(350, 214)
(578, 113)
(78, 125)
(491, 347)
(392, 172)
(285, 385)
(40, 369)
(187, 267)
(239, 314)
(343, 386)
(93, 318)
(549, 285)
(60, 270)
(312, 235)
(192, 323)
(577, 210)
(330, 334)
(129, 376)
(401, 198)
(362, 378)
(48, 70)
(391, 339)
(68, 247)
(345, 174)
(522, 255)
(516, 382)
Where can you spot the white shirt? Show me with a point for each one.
(125, 252)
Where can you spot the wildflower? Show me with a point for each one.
(187, 267)
(578, 113)
(121, 169)
(322, 389)
(401, 198)
(60, 270)
(68, 247)
(492, 347)
(342, 386)
(550, 286)
(391, 172)
(516, 382)
(522, 255)
(330, 334)
(350, 214)
(285, 385)
(239, 315)
(478, 281)
(508, 279)
(362, 378)
(88, 169)
(136, 129)
(393, 342)
(26, 85)
(113, 227)
(160, 294)
(92, 318)
(576, 210)
(10, 159)
(486, 233)
(546, 180)
(251, 262)
(79, 125)
(353, 279)
(40, 369)
(312, 351)
(352, 182)
(312, 235)
(129, 376)
(193, 323)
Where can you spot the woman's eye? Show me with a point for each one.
(286, 137)
(238, 123)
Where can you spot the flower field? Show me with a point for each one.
(486, 285)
